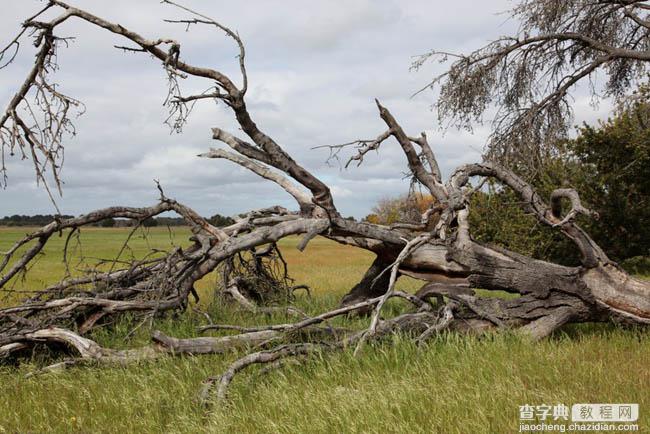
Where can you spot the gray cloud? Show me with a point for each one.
(314, 67)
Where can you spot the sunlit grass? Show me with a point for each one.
(456, 384)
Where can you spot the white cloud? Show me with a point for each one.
(314, 68)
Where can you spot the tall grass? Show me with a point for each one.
(455, 384)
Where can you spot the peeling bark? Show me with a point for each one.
(549, 295)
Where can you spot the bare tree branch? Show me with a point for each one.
(550, 295)
(304, 201)
(528, 77)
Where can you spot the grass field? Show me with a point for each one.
(456, 384)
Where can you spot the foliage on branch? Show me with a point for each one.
(615, 178)
(610, 165)
(523, 82)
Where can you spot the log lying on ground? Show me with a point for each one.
(88, 351)
(549, 295)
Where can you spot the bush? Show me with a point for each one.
(107, 223)
(220, 220)
(609, 166)
(637, 265)
(150, 222)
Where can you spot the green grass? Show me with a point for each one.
(456, 384)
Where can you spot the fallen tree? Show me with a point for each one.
(440, 249)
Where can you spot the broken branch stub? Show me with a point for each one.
(444, 253)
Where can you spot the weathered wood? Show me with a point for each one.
(549, 295)
(373, 283)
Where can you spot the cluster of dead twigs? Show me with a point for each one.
(249, 264)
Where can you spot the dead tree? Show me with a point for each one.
(549, 295)
(528, 77)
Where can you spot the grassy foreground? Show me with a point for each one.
(453, 385)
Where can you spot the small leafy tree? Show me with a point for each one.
(614, 161)
(220, 220)
(401, 209)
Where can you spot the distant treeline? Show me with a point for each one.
(30, 220)
(42, 220)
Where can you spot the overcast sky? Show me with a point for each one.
(314, 69)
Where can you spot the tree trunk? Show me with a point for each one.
(373, 284)
(439, 249)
